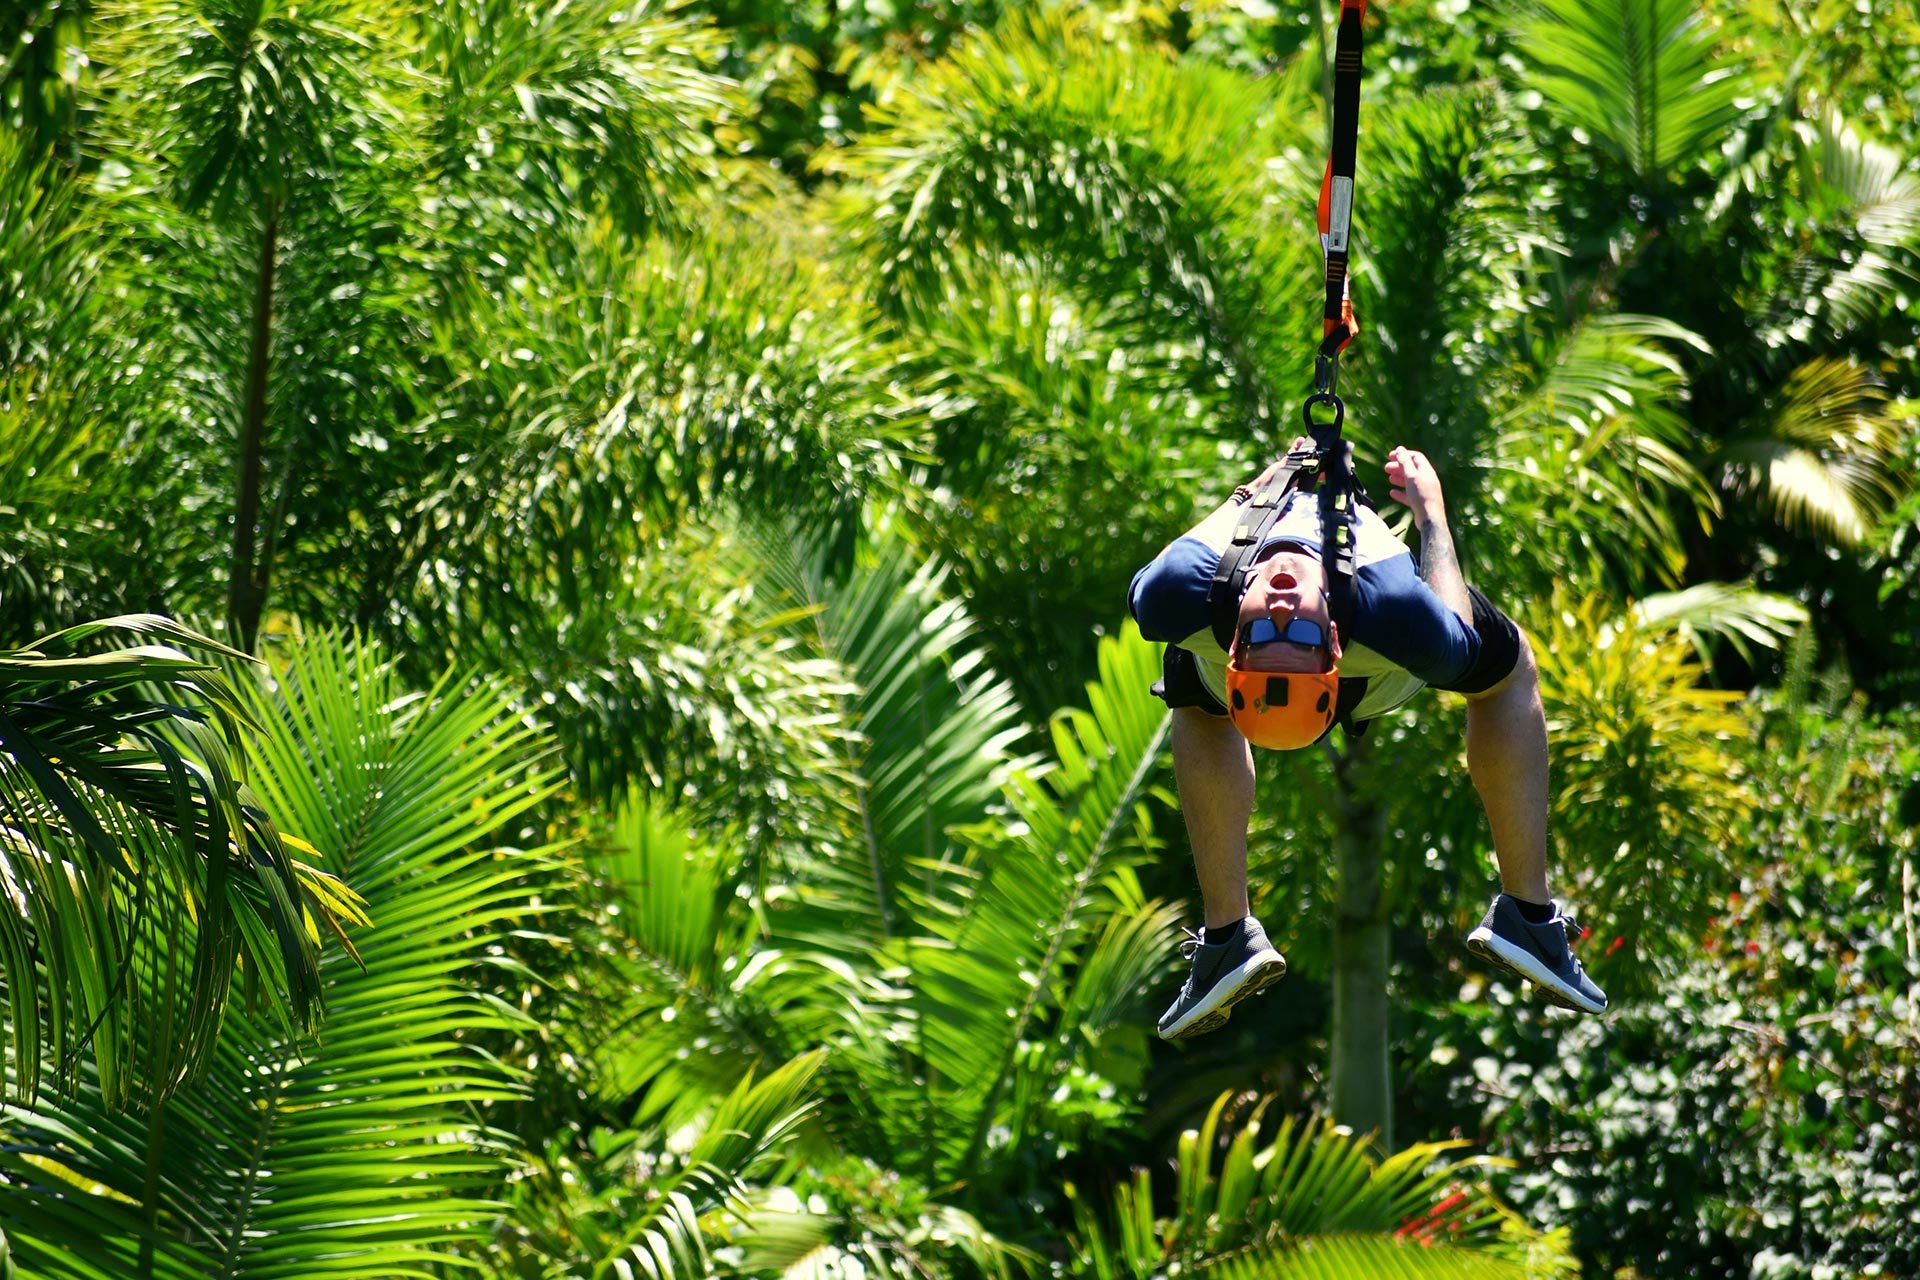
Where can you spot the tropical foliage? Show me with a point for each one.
(662, 783)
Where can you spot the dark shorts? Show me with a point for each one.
(1180, 684)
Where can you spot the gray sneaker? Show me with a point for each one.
(1538, 953)
(1223, 975)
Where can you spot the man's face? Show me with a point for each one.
(1287, 584)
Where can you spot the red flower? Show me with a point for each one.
(1425, 1227)
(1753, 948)
(1616, 945)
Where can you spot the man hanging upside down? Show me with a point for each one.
(1292, 671)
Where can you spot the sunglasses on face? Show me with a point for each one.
(1297, 631)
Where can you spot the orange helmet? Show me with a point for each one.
(1280, 710)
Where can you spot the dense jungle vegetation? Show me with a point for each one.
(566, 706)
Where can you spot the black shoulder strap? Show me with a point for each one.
(1337, 528)
(1257, 518)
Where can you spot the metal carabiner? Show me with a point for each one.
(1326, 372)
(1325, 434)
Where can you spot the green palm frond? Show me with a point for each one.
(248, 102)
(1876, 200)
(1450, 228)
(45, 256)
(1132, 168)
(650, 1203)
(1313, 1201)
(686, 1026)
(665, 1238)
(1823, 458)
(607, 103)
(1052, 412)
(645, 685)
(1859, 249)
(1647, 784)
(1032, 377)
(695, 994)
(123, 778)
(781, 1236)
(1642, 78)
(728, 367)
(69, 343)
(989, 981)
(1600, 444)
(1367, 1257)
(356, 1151)
(1114, 974)
(935, 726)
(1743, 616)
(42, 67)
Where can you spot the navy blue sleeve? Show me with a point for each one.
(1168, 598)
(1400, 618)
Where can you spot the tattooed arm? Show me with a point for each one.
(1417, 486)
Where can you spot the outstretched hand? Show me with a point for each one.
(1416, 486)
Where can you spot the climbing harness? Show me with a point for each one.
(1334, 455)
(1328, 465)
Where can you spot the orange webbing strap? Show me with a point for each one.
(1336, 187)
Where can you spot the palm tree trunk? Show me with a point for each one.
(150, 1191)
(1362, 1081)
(247, 592)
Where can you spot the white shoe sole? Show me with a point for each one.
(1258, 972)
(1496, 950)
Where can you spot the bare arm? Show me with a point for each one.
(1417, 486)
(1441, 569)
(1219, 524)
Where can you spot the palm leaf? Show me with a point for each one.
(696, 996)
(355, 1152)
(1876, 201)
(607, 103)
(680, 1026)
(246, 101)
(1599, 441)
(1641, 77)
(782, 1238)
(1451, 230)
(1746, 618)
(984, 986)
(935, 726)
(1822, 459)
(666, 1238)
(124, 783)
(1051, 409)
(1367, 1257)
(1312, 1201)
(1136, 169)
(1632, 723)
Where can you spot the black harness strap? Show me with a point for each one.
(1336, 187)
(1257, 518)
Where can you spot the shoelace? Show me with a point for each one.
(1189, 945)
(1575, 932)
